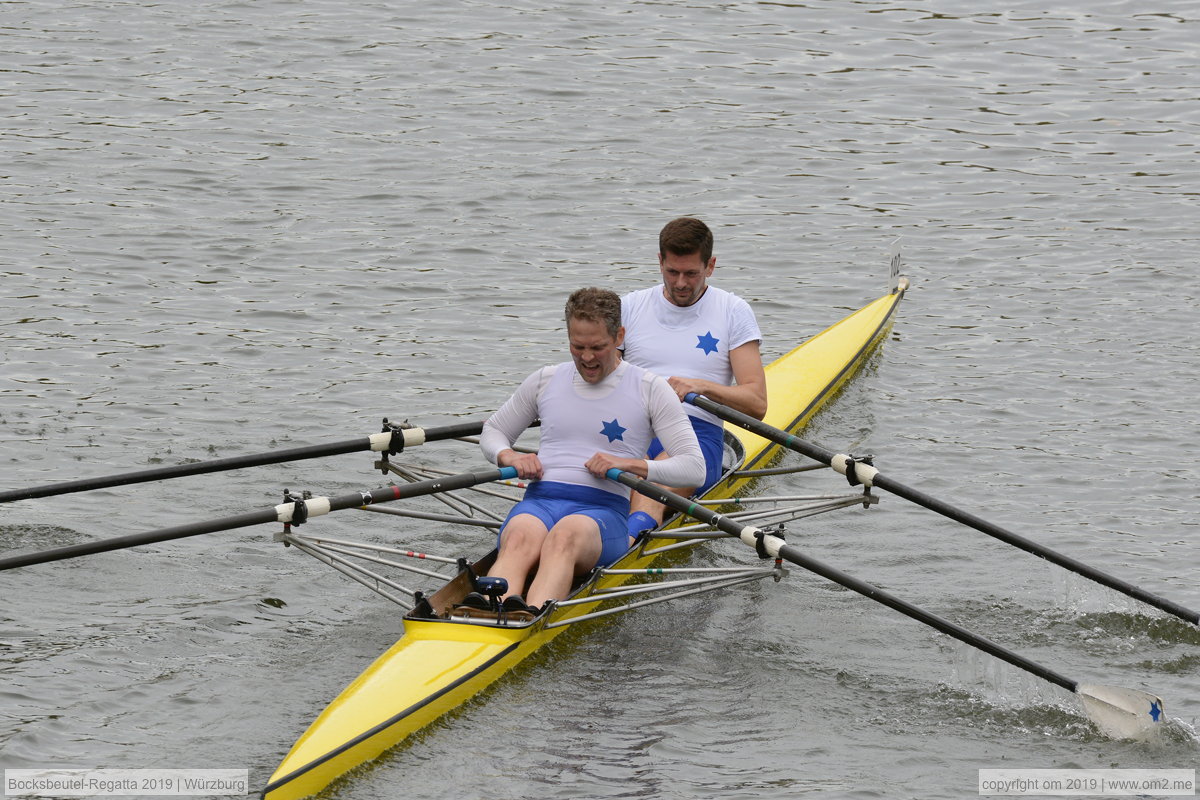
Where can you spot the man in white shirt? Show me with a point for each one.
(597, 412)
(703, 339)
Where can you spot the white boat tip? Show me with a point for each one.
(1122, 713)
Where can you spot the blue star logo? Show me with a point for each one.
(1155, 711)
(708, 343)
(614, 431)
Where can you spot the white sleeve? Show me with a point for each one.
(504, 427)
(743, 324)
(684, 465)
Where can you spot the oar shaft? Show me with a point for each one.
(234, 462)
(281, 513)
(777, 547)
(184, 470)
(137, 539)
(828, 458)
(795, 556)
(444, 483)
(757, 426)
(1030, 546)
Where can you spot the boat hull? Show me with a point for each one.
(437, 665)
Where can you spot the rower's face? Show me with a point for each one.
(685, 277)
(593, 350)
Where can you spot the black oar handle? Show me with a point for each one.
(870, 476)
(777, 547)
(377, 442)
(285, 512)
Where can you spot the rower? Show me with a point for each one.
(598, 412)
(706, 339)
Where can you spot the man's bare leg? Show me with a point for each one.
(572, 547)
(520, 548)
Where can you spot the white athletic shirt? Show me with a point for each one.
(689, 341)
(618, 415)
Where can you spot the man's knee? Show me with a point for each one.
(571, 536)
(523, 534)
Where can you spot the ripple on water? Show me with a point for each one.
(235, 228)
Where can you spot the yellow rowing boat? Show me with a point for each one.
(438, 663)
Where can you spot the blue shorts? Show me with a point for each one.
(712, 444)
(550, 501)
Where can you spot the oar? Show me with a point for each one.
(1118, 712)
(860, 472)
(294, 513)
(392, 440)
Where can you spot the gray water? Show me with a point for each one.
(227, 227)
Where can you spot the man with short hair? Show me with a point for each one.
(597, 412)
(706, 340)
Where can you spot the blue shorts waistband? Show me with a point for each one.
(587, 495)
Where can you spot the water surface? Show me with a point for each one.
(228, 227)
